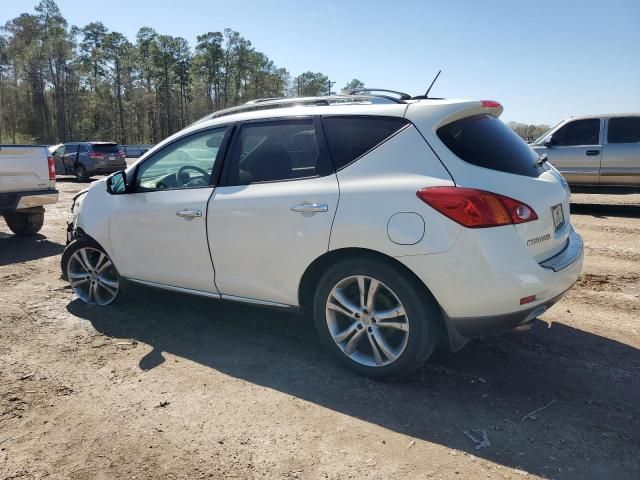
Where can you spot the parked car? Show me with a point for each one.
(595, 150)
(135, 151)
(395, 222)
(85, 159)
(27, 184)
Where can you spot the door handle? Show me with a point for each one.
(310, 208)
(189, 213)
(592, 153)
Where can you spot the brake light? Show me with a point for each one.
(490, 104)
(95, 155)
(473, 208)
(52, 168)
(121, 153)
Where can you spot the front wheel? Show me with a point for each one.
(90, 272)
(374, 319)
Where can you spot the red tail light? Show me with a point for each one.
(491, 104)
(95, 155)
(473, 208)
(52, 168)
(121, 154)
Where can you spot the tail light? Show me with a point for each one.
(95, 155)
(473, 208)
(491, 104)
(52, 168)
(121, 153)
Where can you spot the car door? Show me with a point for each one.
(159, 229)
(271, 215)
(58, 160)
(575, 149)
(621, 151)
(70, 156)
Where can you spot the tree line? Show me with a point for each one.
(60, 83)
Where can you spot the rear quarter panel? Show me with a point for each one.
(384, 183)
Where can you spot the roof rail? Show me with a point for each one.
(283, 102)
(401, 95)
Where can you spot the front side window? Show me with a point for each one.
(274, 151)
(624, 130)
(578, 132)
(351, 137)
(185, 163)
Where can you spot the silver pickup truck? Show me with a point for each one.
(27, 184)
(595, 150)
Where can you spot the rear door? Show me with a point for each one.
(271, 215)
(576, 150)
(58, 155)
(621, 151)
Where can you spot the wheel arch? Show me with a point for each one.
(314, 271)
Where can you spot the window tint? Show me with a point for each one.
(624, 130)
(84, 148)
(71, 148)
(276, 150)
(106, 148)
(351, 137)
(186, 163)
(485, 141)
(578, 132)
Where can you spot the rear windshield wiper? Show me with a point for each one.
(542, 160)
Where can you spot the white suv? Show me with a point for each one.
(395, 222)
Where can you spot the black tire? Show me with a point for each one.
(81, 174)
(24, 223)
(423, 316)
(84, 242)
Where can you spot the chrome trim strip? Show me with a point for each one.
(176, 289)
(568, 255)
(254, 301)
(217, 296)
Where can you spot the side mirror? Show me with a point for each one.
(117, 183)
(549, 142)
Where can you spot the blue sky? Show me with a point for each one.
(544, 60)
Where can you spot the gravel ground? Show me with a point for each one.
(171, 386)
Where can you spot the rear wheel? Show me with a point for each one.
(22, 223)
(90, 272)
(374, 319)
(81, 174)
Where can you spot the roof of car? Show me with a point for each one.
(604, 115)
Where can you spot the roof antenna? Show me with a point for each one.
(426, 95)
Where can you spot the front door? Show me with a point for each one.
(159, 231)
(576, 151)
(271, 215)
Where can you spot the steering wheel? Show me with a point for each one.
(185, 180)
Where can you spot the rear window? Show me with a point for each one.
(351, 137)
(109, 148)
(485, 141)
(624, 130)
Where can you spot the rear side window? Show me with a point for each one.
(578, 132)
(275, 151)
(109, 148)
(624, 130)
(485, 141)
(351, 137)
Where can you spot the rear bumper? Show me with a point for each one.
(479, 282)
(23, 200)
(107, 169)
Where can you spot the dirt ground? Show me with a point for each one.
(171, 386)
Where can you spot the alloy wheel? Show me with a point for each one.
(93, 276)
(367, 321)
